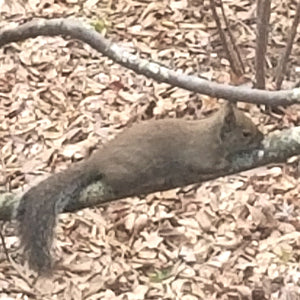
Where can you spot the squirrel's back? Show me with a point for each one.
(169, 152)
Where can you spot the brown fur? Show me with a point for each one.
(171, 152)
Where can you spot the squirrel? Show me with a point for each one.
(171, 150)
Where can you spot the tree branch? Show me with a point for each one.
(230, 54)
(239, 61)
(263, 17)
(277, 148)
(78, 30)
(280, 72)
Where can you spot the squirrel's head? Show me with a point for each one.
(238, 132)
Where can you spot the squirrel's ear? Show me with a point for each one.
(229, 119)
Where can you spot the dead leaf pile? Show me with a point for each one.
(232, 238)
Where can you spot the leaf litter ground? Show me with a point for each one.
(232, 238)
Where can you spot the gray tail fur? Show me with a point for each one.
(39, 208)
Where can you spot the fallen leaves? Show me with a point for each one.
(233, 238)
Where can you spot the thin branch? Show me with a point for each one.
(3, 243)
(77, 30)
(281, 69)
(277, 148)
(263, 17)
(236, 70)
(235, 48)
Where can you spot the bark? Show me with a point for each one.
(277, 148)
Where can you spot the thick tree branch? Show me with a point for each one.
(277, 148)
(78, 30)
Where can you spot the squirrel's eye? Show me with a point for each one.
(246, 133)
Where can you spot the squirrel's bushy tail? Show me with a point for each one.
(39, 207)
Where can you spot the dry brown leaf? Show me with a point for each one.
(227, 239)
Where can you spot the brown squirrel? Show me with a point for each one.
(172, 151)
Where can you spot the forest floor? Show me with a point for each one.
(232, 238)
